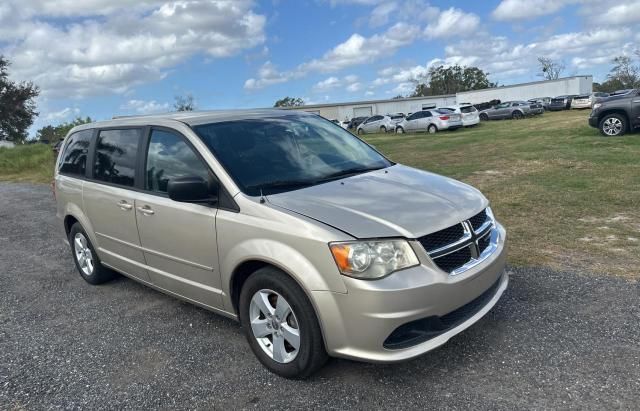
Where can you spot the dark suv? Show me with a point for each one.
(616, 115)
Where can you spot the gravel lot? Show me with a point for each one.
(555, 340)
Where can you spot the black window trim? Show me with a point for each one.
(225, 200)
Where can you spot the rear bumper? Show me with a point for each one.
(450, 125)
(471, 121)
(581, 104)
(362, 323)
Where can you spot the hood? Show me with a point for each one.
(398, 201)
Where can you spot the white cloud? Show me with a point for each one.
(509, 10)
(65, 114)
(145, 107)
(452, 22)
(621, 13)
(381, 14)
(327, 84)
(112, 46)
(369, 93)
(352, 88)
(356, 50)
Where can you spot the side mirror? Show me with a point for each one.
(193, 190)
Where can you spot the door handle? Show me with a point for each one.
(146, 210)
(124, 205)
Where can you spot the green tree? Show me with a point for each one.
(289, 102)
(451, 80)
(53, 134)
(184, 103)
(608, 86)
(17, 105)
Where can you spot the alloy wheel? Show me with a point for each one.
(83, 254)
(612, 126)
(274, 326)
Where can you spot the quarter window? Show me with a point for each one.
(169, 157)
(74, 158)
(116, 154)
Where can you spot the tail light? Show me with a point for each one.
(444, 117)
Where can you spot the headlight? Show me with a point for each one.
(373, 259)
(597, 106)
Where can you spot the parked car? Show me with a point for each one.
(355, 122)
(536, 108)
(621, 92)
(467, 112)
(508, 109)
(586, 100)
(559, 103)
(345, 124)
(545, 101)
(376, 124)
(397, 117)
(308, 236)
(616, 115)
(430, 121)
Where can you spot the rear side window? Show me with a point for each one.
(169, 157)
(74, 158)
(116, 154)
(467, 109)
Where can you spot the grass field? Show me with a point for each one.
(568, 197)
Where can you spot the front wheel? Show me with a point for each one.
(399, 130)
(280, 324)
(613, 125)
(484, 117)
(360, 132)
(517, 115)
(383, 129)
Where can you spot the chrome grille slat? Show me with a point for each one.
(469, 243)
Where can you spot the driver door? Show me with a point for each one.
(178, 239)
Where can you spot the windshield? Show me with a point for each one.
(284, 153)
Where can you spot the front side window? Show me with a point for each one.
(74, 158)
(169, 157)
(116, 154)
(289, 152)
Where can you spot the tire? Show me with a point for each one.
(613, 125)
(484, 117)
(86, 259)
(360, 132)
(432, 129)
(383, 129)
(517, 115)
(267, 286)
(399, 130)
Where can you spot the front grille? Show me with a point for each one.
(425, 329)
(454, 260)
(483, 243)
(478, 219)
(442, 238)
(454, 247)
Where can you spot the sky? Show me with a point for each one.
(102, 58)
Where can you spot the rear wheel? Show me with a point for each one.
(399, 130)
(484, 117)
(280, 324)
(360, 131)
(383, 129)
(613, 125)
(517, 115)
(432, 129)
(86, 259)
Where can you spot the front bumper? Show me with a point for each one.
(357, 324)
(593, 121)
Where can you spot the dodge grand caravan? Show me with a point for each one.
(318, 244)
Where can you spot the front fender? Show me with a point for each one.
(311, 277)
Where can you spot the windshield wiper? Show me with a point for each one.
(349, 172)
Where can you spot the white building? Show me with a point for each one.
(525, 91)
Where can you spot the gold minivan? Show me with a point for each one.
(318, 244)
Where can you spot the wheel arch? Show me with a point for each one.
(74, 214)
(618, 111)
